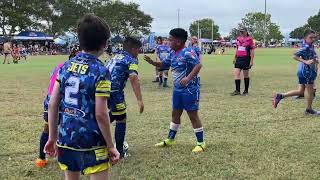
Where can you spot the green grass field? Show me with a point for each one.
(246, 137)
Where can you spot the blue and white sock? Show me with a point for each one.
(199, 135)
(173, 130)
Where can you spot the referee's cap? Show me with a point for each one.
(243, 29)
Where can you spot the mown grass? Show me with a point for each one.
(246, 137)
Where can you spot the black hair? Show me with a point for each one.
(93, 32)
(131, 42)
(307, 32)
(159, 38)
(179, 33)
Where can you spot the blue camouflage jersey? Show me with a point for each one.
(197, 50)
(163, 52)
(81, 79)
(307, 52)
(182, 63)
(120, 67)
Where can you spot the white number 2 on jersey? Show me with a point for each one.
(72, 90)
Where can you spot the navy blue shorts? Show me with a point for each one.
(186, 99)
(304, 80)
(164, 69)
(88, 162)
(117, 106)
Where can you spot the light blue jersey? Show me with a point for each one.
(307, 52)
(182, 63)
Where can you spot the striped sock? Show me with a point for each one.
(173, 130)
(199, 135)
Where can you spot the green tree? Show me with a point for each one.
(21, 15)
(58, 16)
(67, 13)
(298, 32)
(234, 33)
(274, 32)
(125, 18)
(206, 26)
(255, 22)
(314, 22)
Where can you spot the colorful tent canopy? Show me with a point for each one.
(32, 35)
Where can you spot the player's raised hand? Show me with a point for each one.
(148, 59)
(114, 155)
(141, 106)
(184, 82)
(51, 148)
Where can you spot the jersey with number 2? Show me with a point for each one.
(81, 80)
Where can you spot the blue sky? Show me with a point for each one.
(289, 14)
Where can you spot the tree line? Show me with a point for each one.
(312, 23)
(255, 23)
(59, 16)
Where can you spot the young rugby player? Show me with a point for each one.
(157, 80)
(23, 52)
(162, 53)
(307, 72)
(15, 54)
(195, 46)
(7, 49)
(185, 66)
(123, 66)
(41, 161)
(82, 88)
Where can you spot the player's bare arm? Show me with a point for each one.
(50, 147)
(154, 63)
(252, 56)
(134, 79)
(300, 59)
(195, 71)
(103, 121)
(157, 57)
(234, 59)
